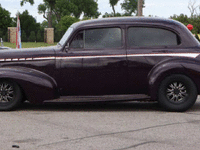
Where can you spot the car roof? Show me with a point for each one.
(125, 20)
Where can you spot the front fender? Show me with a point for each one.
(187, 66)
(36, 85)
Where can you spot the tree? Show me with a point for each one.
(66, 22)
(48, 5)
(32, 37)
(24, 1)
(5, 20)
(28, 23)
(130, 6)
(113, 3)
(88, 8)
(24, 37)
(5, 37)
(48, 13)
(44, 24)
(39, 37)
(193, 7)
(60, 8)
(194, 20)
(107, 15)
(51, 5)
(140, 8)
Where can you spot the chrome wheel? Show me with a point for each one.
(10, 95)
(6, 92)
(176, 92)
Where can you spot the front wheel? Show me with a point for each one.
(10, 95)
(177, 93)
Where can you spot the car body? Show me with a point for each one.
(144, 58)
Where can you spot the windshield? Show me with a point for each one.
(65, 36)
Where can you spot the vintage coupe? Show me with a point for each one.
(132, 58)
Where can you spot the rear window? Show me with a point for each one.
(143, 36)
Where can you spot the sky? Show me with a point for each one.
(159, 8)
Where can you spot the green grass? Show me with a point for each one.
(28, 44)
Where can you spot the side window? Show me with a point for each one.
(98, 39)
(77, 41)
(142, 36)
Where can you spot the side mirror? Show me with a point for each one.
(67, 47)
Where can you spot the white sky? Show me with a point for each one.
(160, 8)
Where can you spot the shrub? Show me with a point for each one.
(39, 37)
(24, 38)
(32, 37)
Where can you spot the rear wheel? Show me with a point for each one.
(177, 93)
(10, 95)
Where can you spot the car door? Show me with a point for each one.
(146, 47)
(95, 63)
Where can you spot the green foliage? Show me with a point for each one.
(44, 24)
(23, 36)
(27, 22)
(5, 37)
(42, 9)
(195, 21)
(60, 8)
(113, 3)
(24, 1)
(182, 18)
(5, 19)
(39, 37)
(130, 6)
(107, 15)
(58, 35)
(66, 22)
(1, 33)
(76, 7)
(64, 8)
(32, 37)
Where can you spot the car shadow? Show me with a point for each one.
(100, 106)
(95, 106)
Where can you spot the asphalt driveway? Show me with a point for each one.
(100, 126)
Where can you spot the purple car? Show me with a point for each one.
(113, 59)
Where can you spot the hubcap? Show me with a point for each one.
(6, 92)
(176, 92)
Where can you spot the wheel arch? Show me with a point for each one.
(187, 67)
(24, 97)
(36, 86)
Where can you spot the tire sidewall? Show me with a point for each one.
(16, 99)
(177, 106)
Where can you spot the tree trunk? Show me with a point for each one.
(50, 18)
(113, 8)
(140, 5)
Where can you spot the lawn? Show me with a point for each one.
(28, 44)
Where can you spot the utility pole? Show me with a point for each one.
(140, 5)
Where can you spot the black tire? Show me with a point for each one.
(177, 93)
(10, 95)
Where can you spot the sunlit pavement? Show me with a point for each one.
(99, 126)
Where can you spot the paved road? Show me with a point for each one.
(126, 126)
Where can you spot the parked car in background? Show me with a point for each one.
(144, 58)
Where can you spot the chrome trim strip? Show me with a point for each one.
(192, 55)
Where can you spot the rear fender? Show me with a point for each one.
(37, 86)
(186, 66)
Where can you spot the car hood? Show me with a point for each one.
(28, 53)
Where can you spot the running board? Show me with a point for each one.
(101, 98)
